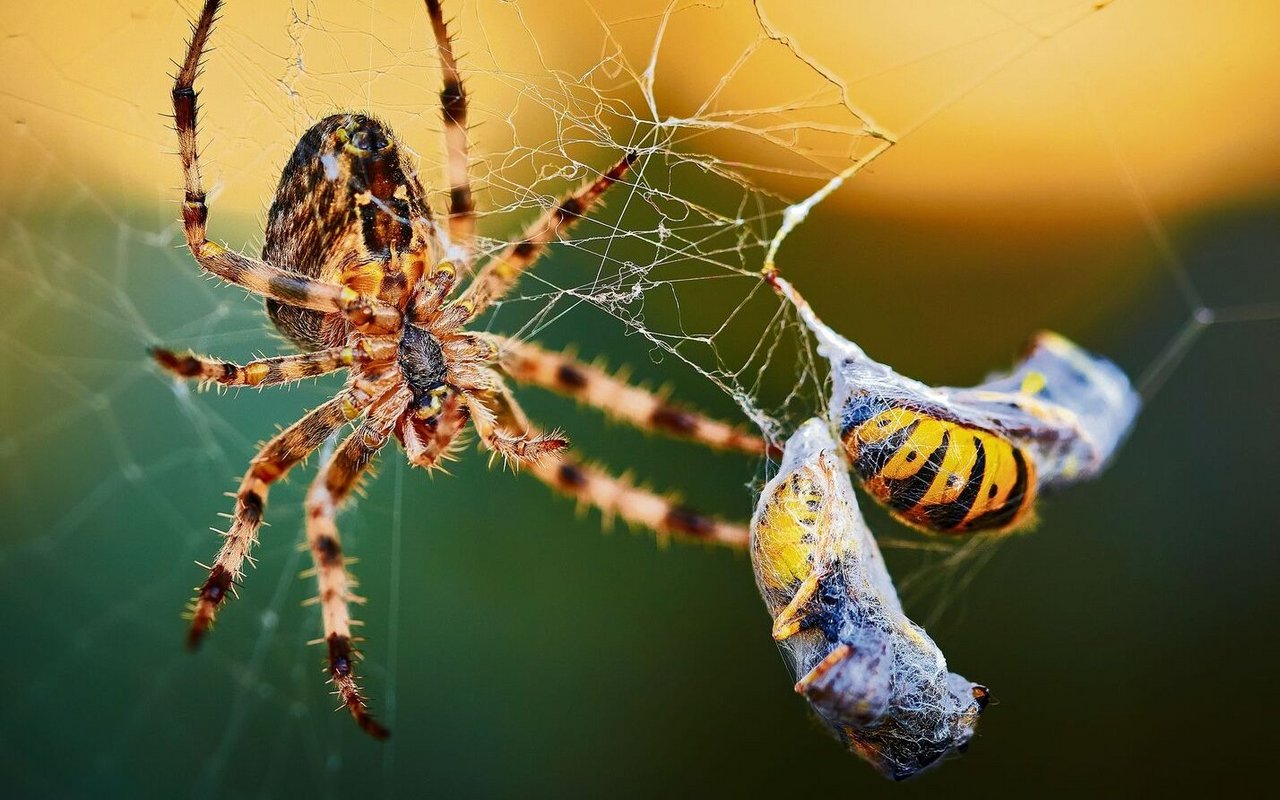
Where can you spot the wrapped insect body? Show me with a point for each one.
(956, 460)
(875, 677)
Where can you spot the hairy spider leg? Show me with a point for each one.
(616, 496)
(517, 446)
(331, 487)
(453, 108)
(502, 271)
(259, 372)
(271, 463)
(528, 363)
(365, 313)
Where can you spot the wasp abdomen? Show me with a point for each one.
(938, 474)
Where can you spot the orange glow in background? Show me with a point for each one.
(1047, 108)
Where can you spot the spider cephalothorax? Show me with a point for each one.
(422, 363)
(354, 272)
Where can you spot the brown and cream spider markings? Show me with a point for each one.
(354, 273)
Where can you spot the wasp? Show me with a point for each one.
(959, 460)
(872, 675)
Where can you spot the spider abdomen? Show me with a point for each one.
(349, 209)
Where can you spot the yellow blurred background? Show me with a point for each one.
(1041, 106)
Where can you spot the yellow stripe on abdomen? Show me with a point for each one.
(787, 532)
(942, 475)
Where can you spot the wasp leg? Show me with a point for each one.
(793, 617)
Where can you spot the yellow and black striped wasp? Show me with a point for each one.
(960, 460)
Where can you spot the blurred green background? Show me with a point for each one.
(517, 651)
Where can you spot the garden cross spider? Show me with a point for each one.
(354, 273)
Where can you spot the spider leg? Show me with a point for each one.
(513, 437)
(618, 496)
(329, 490)
(365, 313)
(259, 372)
(501, 272)
(615, 496)
(271, 463)
(528, 363)
(521, 448)
(453, 106)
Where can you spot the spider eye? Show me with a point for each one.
(368, 140)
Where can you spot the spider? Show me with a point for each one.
(354, 273)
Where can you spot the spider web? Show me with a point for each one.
(753, 149)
